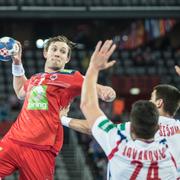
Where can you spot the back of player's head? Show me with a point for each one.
(170, 96)
(144, 119)
(60, 38)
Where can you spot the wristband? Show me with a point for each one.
(65, 121)
(17, 70)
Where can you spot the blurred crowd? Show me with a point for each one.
(156, 58)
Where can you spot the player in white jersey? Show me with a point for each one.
(140, 157)
(167, 100)
(134, 159)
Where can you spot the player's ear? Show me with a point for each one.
(68, 59)
(132, 133)
(159, 103)
(45, 53)
(68, 56)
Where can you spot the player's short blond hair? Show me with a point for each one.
(60, 38)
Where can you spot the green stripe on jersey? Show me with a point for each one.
(106, 125)
(122, 127)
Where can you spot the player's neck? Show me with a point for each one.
(51, 70)
(145, 140)
(165, 114)
(134, 137)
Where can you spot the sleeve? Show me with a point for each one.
(125, 129)
(76, 86)
(26, 85)
(107, 134)
(64, 99)
(80, 78)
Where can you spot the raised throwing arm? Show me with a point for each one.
(19, 77)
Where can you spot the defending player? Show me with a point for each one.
(36, 137)
(167, 100)
(140, 157)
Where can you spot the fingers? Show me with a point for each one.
(98, 46)
(108, 94)
(106, 46)
(107, 49)
(112, 49)
(100, 57)
(177, 68)
(110, 64)
(16, 57)
(19, 45)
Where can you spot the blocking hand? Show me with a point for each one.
(101, 55)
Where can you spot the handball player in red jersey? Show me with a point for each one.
(36, 137)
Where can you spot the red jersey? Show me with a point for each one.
(38, 124)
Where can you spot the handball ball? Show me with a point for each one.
(8, 47)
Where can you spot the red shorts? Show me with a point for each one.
(31, 163)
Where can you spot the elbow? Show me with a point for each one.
(89, 132)
(20, 97)
(20, 94)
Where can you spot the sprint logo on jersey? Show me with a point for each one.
(106, 125)
(38, 99)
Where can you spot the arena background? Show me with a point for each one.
(147, 34)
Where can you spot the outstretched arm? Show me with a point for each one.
(79, 125)
(19, 78)
(89, 99)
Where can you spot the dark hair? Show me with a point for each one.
(170, 96)
(144, 119)
(60, 38)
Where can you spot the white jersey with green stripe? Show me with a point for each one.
(168, 128)
(134, 160)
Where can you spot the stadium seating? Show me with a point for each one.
(90, 2)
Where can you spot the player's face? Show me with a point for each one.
(157, 102)
(57, 55)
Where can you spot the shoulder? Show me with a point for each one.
(37, 75)
(102, 123)
(170, 121)
(70, 71)
(74, 73)
(67, 71)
